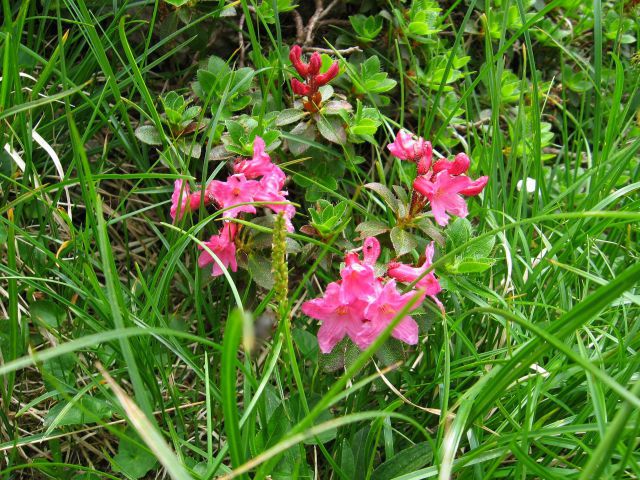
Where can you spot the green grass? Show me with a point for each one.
(121, 359)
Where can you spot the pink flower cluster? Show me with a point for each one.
(361, 305)
(441, 183)
(254, 180)
(312, 78)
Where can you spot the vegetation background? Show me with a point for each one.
(122, 359)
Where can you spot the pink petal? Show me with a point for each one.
(476, 186)
(406, 331)
(329, 334)
(459, 165)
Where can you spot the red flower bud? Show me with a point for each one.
(300, 88)
(295, 57)
(315, 62)
(459, 165)
(329, 75)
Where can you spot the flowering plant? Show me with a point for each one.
(254, 181)
(362, 304)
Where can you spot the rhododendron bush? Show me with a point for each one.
(365, 300)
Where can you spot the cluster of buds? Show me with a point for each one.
(440, 184)
(312, 78)
(254, 180)
(361, 304)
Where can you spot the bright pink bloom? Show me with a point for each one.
(443, 192)
(475, 186)
(384, 309)
(180, 199)
(236, 190)
(371, 248)
(444, 195)
(271, 191)
(409, 274)
(459, 165)
(406, 147)
(183, 201)
(359, 280)
(360, 305)
(223, 247)
(259, 165)
(338, 316)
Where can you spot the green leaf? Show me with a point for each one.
(335, 107)
(303, 131)
(332, 129)
(62, 370)
(405, 461)
(471, 265)
(47, 313)
(230, 346)
(290, 115)
(458, 233)
(190, 148)
(385, 193)
(148, 134)
(260, 269)
(84, 411)
(403, 241)
(481, 248)
(372, 228)
(306, 342)
(133, 459)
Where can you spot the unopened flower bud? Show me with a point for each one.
(296, 60)
(329, 75)
(300, 88)
(315, 62)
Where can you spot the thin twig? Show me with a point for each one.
(344, 51)
(297, 19)
(241, 45)
(319, 14)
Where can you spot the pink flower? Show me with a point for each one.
(183, 201)
(180, 199)
(459, 165)
(409, 274)
(339, 317)
(270, 191)
(443, 192)
(359, 280)
(223, 247)
(384, 309)
(405, 147)
(259, 165)
(236, 190)
(371, 247)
